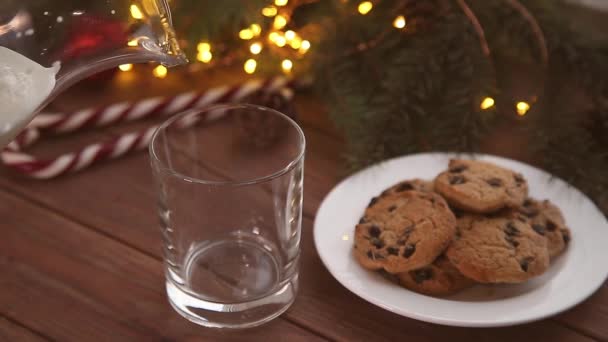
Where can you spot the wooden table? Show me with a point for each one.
(80, 256)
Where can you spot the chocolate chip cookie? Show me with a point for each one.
(403, 231)
(547, 220)
(408, 185)
(481, 187)
(440, 278)
(502, 248)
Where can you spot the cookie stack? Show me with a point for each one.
(473, 224)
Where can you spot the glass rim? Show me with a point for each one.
(226, 106)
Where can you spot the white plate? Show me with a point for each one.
(574, 276)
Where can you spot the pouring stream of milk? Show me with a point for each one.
(24, 85)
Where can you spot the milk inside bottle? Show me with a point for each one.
(24, 86)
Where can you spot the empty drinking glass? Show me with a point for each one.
(230, 201)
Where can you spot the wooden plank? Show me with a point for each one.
(9, 331)
(73, 284)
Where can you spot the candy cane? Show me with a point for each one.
(27, 164)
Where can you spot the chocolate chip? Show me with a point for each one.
(369, 254)
(372, 202)
(511, 229)
(374, 231)
(566, 236)
(422, 274)
(409, 229)
(393, 250)
(494, 182)
(457, 212)
(458, 234)
(409, 250)
(525, 263)
(519, 179)
(551, 226)
(539, 228)
(530, 212)
(458, 168)
(512, 241)
(527, 202)
(376, 242)
(378, 256)
(363, 220)
(401, 242)
(404, 186)
(392, 208)
(455, 180)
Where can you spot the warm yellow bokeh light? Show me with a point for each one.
(522, 108)
(399, 22)
(280, 2)
(296, 43)
(365, 7)
(255, 48)
(304, 46)
(487, 103)
(132, 42)
(250, 66)
(125, 67)
(246, 34)
(136, 12)
(279, 22)
(280, 41)
(204, 56)
(269, 11)
(203, 46)
(290, 35)
(256, 29)
(286, 65)
(160, 71)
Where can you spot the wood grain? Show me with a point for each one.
(74, 285)
(10, 331)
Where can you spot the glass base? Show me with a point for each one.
(234, 283)
(232, 315)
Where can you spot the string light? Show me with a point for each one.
(269, 11)
(280, 2)
(279, 22)
(304, 47)
(160, 71)
(250, 66)
(136, 12)
(399, 22)
(125, 67)
(296, 43)
(204, 56)
(256, 29)
(246, 34)
(487, 103)
(273, 36)
(286, 65)
(203, 46)
(255, 48)
(522, 108)
(365, 7)
(132, 42)
(290, 35)
(280, 41)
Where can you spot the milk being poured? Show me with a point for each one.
(24, 85)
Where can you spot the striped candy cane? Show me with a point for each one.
(58, 123)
